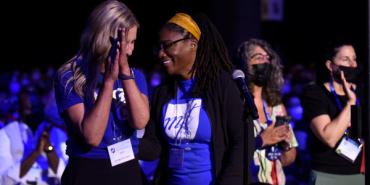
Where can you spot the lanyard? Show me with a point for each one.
(339, 104)
(272, 152)
(267, 114)
(332, 90)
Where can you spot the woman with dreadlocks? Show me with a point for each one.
(197, 113)
(275, 144)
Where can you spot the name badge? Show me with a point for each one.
(348, 149)
(176, 158)
(120, 152)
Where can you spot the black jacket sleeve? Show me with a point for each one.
(232, 165)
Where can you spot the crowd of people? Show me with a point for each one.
(95, 120)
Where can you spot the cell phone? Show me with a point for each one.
(115, 44)
(281, 120)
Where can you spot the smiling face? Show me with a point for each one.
(177, 53)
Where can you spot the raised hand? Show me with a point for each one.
(348, 89)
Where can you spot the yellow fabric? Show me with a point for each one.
(185, 21)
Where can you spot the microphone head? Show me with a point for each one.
(237, 73)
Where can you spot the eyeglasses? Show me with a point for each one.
(167, 45)
(260, 57)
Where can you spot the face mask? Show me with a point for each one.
(350, 73)
(260, 74)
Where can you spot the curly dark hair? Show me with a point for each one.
(271, 92)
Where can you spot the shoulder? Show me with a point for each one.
(312, 89)
(279, 110)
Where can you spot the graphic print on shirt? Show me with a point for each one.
(118, 103)
(181, 120)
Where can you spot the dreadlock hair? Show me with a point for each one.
(212, 55)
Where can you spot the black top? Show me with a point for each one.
(225, 110)
(317, 100)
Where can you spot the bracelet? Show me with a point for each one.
(127, 77)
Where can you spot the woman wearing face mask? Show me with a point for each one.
(265, 81)
(332, 108)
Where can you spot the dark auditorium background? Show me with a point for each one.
(46, 33)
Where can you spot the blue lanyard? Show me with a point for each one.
(339, 104)
(267, 114)
(273, 152)
(332, 90)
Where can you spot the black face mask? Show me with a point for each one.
(260, 74)
(350, 73)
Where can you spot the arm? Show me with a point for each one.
(330, 131)
(91, 125)
(137, 102)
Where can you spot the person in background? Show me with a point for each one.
(197, 112)
(265, 79)
(333, 110)
(103, 101)
(31, 149)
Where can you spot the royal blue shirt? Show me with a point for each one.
(187, 129)
(118, 128)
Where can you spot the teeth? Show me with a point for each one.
(167, 61)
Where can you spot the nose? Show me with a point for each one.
(160, 53)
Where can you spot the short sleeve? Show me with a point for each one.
(314, 102)
(65, 95)
(140, 81)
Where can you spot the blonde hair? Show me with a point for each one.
(102, 24)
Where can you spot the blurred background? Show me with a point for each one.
(39, 36)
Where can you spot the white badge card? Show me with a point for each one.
(348, 149)
(121, 152)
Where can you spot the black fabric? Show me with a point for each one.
(84, 171)
(317, 100)
(225, 110)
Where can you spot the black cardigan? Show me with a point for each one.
(225, 109)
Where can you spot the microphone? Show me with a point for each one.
(239, 77)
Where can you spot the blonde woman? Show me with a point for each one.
(103, 100)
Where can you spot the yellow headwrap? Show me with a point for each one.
(185, 21)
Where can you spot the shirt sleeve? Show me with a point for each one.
(9, 170)
(313, 102)
(65, 94)
(141, 81)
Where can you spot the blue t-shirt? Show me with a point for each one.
(118, 128)
(188, 131)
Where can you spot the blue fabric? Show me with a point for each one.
(187, 127)
(117, 126)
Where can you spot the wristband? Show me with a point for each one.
(127, 77)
